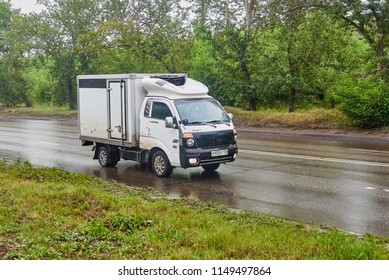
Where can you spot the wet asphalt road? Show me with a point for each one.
(335, 181)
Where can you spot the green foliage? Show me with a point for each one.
(370, 19)
(13, 86)
(146, 35)
(38, 82)
(366, 103)
(59, 28)
(204, 68)
(251, 54)
(6, 14)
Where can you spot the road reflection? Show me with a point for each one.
(184, 183)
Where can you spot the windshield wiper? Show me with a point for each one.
(219, 121)
(215, 121)
(186, 122)
(201, 123)
(211, 123)
(196, 122)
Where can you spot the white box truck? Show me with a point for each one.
(160, 120)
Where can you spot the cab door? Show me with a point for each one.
(154, 133)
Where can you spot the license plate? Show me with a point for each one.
(219, 153)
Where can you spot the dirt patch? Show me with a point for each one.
(6, 244)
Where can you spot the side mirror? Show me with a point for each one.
(231, 116)
(169, 122)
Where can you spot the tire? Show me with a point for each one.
(211, 167)
(105, 157)
(161, 164)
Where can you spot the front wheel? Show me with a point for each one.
(161, 164)
(211, 167)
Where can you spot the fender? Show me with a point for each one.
(149, 143)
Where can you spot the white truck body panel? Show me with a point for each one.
(93, 116)
(110, 112)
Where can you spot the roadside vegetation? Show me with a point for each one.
(262, 118)
(328, 56)
(301, 119)
(40, 110)
(51, 214)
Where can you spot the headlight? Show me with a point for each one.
(190, 142)
(188, 139)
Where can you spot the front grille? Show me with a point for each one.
(215, 160)
(214, 139)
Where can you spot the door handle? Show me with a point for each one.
(119, 127)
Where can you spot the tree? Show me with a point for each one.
(302, 58)
(13, 86)
(371, 19)
(230, 26)
(6, 14)
(60, 26)
(161, 32)
(154, 31)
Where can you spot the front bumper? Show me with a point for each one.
(204, 157)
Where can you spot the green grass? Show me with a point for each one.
(51, 214)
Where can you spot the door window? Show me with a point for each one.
(160, 111)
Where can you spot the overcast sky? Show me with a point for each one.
(26, 6)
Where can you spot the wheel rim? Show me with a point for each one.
(103, 157)
(159, 165)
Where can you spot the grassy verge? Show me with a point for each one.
(51, 214)
(40, 111)
(312, 119)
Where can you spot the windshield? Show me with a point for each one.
(199, 111)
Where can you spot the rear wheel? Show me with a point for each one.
(211, 167)
(161, 164)
(105, 157)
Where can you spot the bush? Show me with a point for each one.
(367, 104)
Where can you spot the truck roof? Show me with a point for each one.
(173, 86)
(131, 76)
(161, 87)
